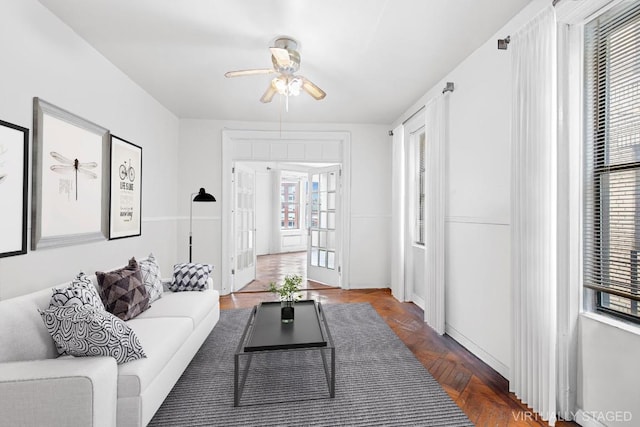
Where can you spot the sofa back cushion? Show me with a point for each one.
(23, 335)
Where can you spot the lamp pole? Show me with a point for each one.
(191, 224)
(200, 196)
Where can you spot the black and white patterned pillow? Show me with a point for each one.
(80, 291)
(151, 277)
(82, 330)
(190, 277)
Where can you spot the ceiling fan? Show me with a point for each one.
(286, 61)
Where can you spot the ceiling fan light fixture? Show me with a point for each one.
(287, 86)
(286, 62)
(280, 84)
(294, 86)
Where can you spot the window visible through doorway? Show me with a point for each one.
(612, 161)
(420, 193)
(289, 205)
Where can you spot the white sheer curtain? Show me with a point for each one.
(398, 214)
(534, 214)
(570, 16)
(437, 121)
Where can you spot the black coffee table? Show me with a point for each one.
(265, 332)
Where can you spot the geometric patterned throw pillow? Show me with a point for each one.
(123, 292)
(79, 292)
(190, 277)
(85, 331)
(151, 277)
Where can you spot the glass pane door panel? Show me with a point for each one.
(323, 258)
(331, 260)
(332, 182)
(323, 220)
(331, 201)
(331, 220)
(243, 218)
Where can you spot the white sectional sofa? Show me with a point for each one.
(39, 388)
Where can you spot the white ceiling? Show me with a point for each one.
(374, 58)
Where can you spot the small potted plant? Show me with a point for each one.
(289, 294)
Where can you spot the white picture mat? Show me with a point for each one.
(11, 188)
(62, 214)
(125, 194)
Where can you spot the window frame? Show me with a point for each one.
(600, 227)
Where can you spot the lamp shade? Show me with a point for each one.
(203, 196)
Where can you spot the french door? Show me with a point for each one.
(324, 222)
(244, 262)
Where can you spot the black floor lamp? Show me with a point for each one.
(201, 196)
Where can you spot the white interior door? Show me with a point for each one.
(324, 242)
(244, 226)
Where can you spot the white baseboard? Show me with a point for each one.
(480, 353)
(417, 301)
(586, 419)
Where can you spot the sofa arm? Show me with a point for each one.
(66, 391)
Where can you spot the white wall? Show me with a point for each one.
(200, 164)
(478, 293)
(608, 379)
(43, 57)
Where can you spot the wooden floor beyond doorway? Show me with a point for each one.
(273, 268)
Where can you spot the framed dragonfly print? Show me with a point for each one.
(126, 189)
(14, 166)
(70, 185)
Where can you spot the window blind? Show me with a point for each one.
(612, 160)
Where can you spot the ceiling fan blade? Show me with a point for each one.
(253, 72)
(282, 56)
(312, 89)
(268, 95)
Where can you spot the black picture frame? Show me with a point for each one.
(125, 193)
(14, 155)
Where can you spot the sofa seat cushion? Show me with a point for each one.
(194, 305)
(160, 338)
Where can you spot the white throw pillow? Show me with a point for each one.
(79, 292)
(82, 330)
(151, 277)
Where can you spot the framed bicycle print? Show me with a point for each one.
(14, 166)
(70, 187)
(126, 189)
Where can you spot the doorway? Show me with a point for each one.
(287, 220)
(305, 147)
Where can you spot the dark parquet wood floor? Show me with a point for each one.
(480, 391)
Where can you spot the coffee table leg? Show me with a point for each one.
(238, 383)
(332, 392)
(236, 394)
(331, 378)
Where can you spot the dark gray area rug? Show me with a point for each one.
(379, 382)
